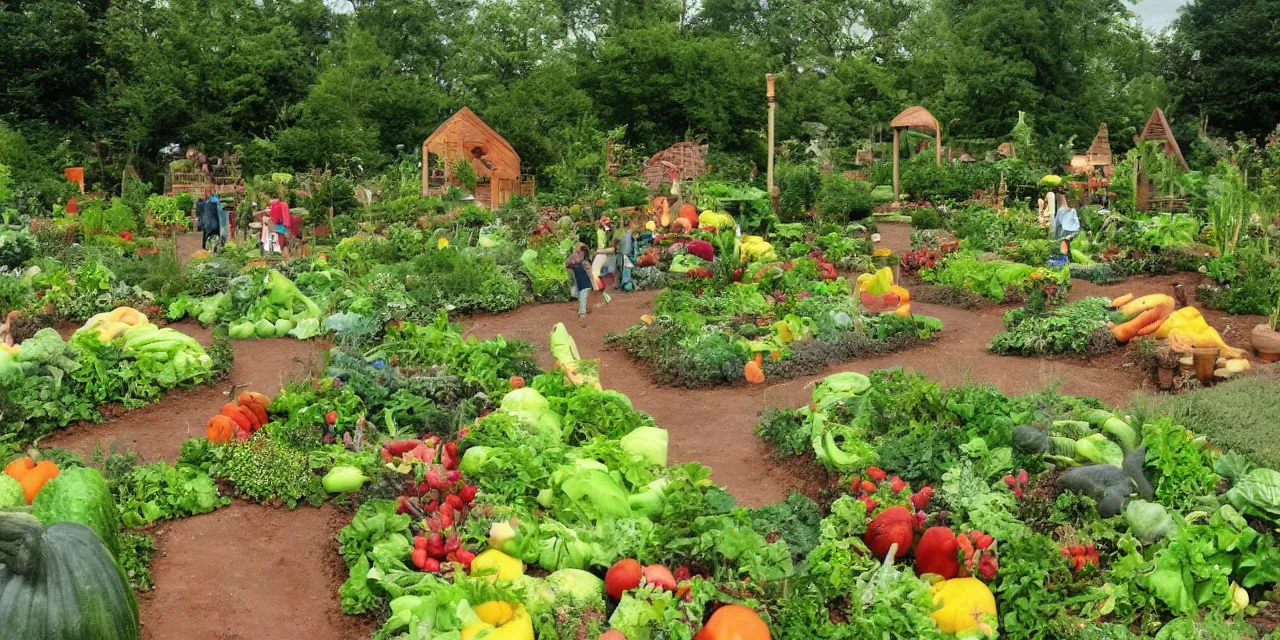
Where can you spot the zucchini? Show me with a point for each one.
(1107, 484)
(1134, 466)
(1029, 439)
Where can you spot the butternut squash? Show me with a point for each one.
(753, 371)
(1116, 303)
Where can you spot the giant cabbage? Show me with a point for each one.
(80, 495)
(533, 411)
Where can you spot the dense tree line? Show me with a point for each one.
(295, 84)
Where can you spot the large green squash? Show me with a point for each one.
(61, 583)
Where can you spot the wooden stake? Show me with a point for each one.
(773, 105)
(896, 198)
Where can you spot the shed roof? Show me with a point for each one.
(916, 117)
(467, 115)
(1099, 153)
(1157, 128)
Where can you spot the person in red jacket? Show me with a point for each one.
(281, 223)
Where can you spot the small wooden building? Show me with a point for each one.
(465, 137)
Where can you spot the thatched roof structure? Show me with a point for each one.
(1157, 128)
(685, 159)
(917, 118)
(965, 157)
(1005, 150)
(1099, 153)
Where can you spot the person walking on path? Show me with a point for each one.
(280, 223)
(207, 219)
(223, 218)
(602, 266)
(581, 281)
(626, 256)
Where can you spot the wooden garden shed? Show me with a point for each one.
(465, 137)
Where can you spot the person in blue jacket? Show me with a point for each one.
(1064, 227)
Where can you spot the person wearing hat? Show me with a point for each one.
(602, 266)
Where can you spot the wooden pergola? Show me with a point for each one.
(919, 119)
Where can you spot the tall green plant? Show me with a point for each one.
(1230, 204)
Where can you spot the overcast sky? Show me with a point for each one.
(1156, 14)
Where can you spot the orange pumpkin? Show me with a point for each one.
(690, 213)
(220, 429)
(35, 479)
(753, 372)
(734, 622)
(19, 468)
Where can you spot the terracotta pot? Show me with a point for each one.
(1266, 342)
(1164, 377)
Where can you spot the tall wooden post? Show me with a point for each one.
(937, 136)
(895, 166)
(773, 105)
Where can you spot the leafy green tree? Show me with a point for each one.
(1224, 57)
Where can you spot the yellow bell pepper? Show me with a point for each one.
(500, 621)
(498, 565)
(965, 602)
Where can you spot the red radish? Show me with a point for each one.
(431, 565)
(465, 557)
(623, 576)
(517, 382)
(660, 577)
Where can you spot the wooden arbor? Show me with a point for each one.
(1157, 129)
(464, 137)
(920, 119)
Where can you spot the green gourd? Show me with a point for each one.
(60, 583)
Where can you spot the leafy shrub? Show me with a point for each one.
(798, 187)
(1067, 329)
(16, 247)
(119, 217)
(1237, 415)
(184, 202)
(842, 199)
(926, 218)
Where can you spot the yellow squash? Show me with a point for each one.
(965, 603)
(500, 621)
(498, 565)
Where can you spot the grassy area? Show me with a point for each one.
(1242, 415)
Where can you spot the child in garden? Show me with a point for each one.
(581, 281)
(602, 266)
